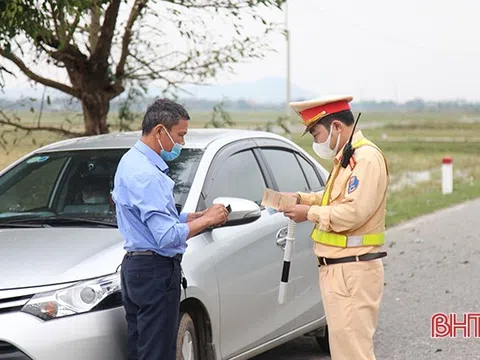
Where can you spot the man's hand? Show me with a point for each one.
(297, 213)
(195, 215)
(216, 215)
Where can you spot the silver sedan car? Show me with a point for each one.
(61, 249)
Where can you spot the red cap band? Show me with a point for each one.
(318, 112)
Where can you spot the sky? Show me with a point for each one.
(381, 49)
(373, 50)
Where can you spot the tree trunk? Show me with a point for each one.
(95, 110)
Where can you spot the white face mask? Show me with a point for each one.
(323, 149)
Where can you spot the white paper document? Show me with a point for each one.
(276, 200)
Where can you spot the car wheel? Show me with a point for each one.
(187, 344)
(322, 341)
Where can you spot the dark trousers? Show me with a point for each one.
(151, 297)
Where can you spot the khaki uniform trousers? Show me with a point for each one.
(351, 295)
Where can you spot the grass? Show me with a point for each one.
(426, 198)
(414, 143)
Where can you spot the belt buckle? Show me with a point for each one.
(320, 259)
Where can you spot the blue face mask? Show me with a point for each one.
(172, 154)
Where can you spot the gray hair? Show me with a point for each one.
(165, 112)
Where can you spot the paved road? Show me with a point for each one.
(433, 266)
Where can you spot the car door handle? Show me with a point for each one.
(282, 237)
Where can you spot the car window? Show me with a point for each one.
(31, 184)
(312, 177)
(286, 170)
(238, 176)
(78, 183)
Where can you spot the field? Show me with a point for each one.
(414, 144)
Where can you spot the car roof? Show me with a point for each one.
(195, 139)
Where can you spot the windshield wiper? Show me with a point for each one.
(53, 220)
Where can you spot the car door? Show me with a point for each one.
(292, 172)
(248, 262)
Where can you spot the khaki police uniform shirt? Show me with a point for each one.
(357, 201)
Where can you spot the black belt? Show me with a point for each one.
(365, 257)
(152, 253)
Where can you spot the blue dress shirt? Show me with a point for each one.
(145, 205)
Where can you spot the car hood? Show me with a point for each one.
(47, 256)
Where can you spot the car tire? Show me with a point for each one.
(187, 343)
(322, 341)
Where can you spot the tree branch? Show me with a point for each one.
(94, 28)
(127, 36)
(9, 122)
(2, 68)
(226, 4)
(222, 4)
(72, 29)
(54, 18)
(62, 25)
(71, 51)
(37, 78)
(108, 28)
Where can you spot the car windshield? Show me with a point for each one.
(76, 185)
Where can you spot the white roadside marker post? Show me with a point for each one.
(447, 175)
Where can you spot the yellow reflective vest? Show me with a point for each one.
(340, 240)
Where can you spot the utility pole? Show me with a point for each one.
(287, 34)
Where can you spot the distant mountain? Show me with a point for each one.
(266, 90)
(264, 94)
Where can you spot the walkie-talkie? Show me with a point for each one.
(348, 150)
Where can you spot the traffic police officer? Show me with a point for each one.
(349, 218)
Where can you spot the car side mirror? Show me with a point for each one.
(242, 211)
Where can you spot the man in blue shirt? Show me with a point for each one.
(155, 234)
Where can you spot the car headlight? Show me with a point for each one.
(79, 298)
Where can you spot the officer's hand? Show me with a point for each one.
(297, 213)
(216, 215)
